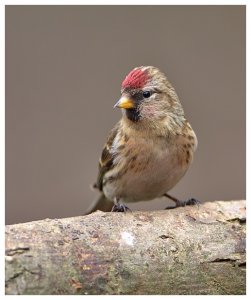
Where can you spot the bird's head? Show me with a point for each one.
(148, 97)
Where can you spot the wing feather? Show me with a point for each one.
(106, 162)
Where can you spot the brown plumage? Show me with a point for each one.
(150, 148)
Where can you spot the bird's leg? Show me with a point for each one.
(119, 207)
(179, 203)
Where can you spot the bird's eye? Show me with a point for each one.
(146, 94)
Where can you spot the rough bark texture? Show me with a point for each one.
(190, 250)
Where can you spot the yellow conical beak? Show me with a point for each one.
(125, 102)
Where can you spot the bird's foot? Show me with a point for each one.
(120, 207)
(182, 203)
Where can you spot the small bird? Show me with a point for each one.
(150, 149)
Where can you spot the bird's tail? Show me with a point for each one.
(102, 203)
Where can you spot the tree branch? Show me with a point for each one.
(190, 250)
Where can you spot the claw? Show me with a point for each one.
(192, 201)
(120, 207)
(182, 203)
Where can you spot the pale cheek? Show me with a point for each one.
(148, 111)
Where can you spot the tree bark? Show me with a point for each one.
(189, 250)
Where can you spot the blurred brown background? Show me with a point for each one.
(64, 67)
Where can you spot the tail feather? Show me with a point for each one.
(101, 204)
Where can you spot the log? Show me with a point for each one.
(183, 251)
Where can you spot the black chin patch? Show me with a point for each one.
(133, 114)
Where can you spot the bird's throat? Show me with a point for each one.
(133, 114)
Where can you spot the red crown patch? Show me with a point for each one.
(136, 79)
